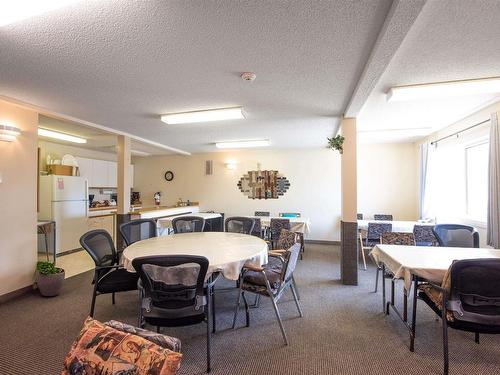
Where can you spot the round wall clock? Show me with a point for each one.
(169, 175)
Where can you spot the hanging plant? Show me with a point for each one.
(335, 143)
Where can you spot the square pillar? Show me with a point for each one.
(349, 188)
(124, 187)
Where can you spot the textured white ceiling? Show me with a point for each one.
(122, 63)
(450, 40)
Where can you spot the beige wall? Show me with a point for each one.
(387, 180)
(314, 176)
(18, 189)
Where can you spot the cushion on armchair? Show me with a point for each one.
(102, 349)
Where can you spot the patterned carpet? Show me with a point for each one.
(343, 331)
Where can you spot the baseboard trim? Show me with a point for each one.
(16, 293)
(323, 242)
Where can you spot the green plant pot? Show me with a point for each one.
(50, 285)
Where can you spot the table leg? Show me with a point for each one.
(54, 244)
(405, 305)
(46, 245)
(383, 289)
(414, 315)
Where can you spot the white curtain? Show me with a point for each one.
(426, 179)
(493, 228)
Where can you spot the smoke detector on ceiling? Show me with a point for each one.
(248, 76)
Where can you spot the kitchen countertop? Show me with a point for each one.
(160, 208)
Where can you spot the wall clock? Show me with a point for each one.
(169, 175)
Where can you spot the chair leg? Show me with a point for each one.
(247, 311)
(256, 303)
(279, 318)
(212, 298)
(364, 258)
(209, 334)
(237, 307)
(476, 337)
(376, 279)
(295, 297)
(158, 329)
(296, 289)
(113, 298)
(445, 343)
(92, 304)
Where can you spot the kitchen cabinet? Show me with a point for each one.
(106, 222)
(99, 176)
(101, 173)
(85, 167)
(112, 177)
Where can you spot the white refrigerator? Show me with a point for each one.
(64, 199)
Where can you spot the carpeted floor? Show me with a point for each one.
(343, 331)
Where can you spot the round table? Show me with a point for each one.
(226, 252)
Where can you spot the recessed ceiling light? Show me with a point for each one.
(61, 136)
(204, 116)
(17, 10)
(243, 144)
(444, 89)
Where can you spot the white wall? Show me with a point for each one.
(314, 176)
(18, 189)
(387, 180)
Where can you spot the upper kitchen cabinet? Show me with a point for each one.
(101, 173)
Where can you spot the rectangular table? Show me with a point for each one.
(412, 263)
(397, 226)
(297, 224)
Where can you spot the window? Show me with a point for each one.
(476, 159)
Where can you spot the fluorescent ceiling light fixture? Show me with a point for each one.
(243, 144)
(204, 116)
(61, 136)
(139, 153)
(8, 133)
(445, 89)
(12, 11)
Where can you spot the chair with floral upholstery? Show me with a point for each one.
(271, 281)
(397, 238)
(257, 230)
(385, 217)
(424, 236)
(375, 230)
(275, 227)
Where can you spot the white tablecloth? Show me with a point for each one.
(226, 252)
(297, 224)
(166, 222)
(429, 262)
(397, 226)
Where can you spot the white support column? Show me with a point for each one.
(349, 187)
(123, 175)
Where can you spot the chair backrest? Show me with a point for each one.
(262, 213)
(276, 225)
(375, 230)
(239, 224)
(99, 244)
(456, 235)
(382, 217)
(474, 292)
(257, 228)
(424, 236)
(173, 285)
(137, 230)
(359, 216)
(188, 224)
(289, 214)
(286, 240)
(291, 256)
(397, 238)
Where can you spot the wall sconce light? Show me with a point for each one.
(231, 165)
(9, 133)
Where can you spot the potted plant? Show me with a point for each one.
(336, 143)
(49, 279)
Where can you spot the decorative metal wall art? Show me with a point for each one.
(263, 184)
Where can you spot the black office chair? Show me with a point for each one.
(137, 230)
(471, 298)
(237, 224)
(173, 292)
(109, 276)
(188, 224)
(456, 235)
(359, 216)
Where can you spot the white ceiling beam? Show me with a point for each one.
(60, 116)
(399, 20)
